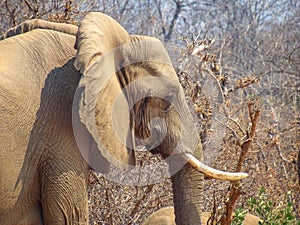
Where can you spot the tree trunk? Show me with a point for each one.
(187, 186)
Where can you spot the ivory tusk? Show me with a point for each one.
(213, 173)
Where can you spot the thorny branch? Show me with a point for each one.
(141, 200)
(245, 146)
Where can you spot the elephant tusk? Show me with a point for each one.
(213, 173)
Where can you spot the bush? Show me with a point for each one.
(267, 211)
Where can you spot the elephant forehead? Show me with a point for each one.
(150, 86)
(146, 49)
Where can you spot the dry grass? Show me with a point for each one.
(112, 203)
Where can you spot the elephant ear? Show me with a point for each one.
(97, 39)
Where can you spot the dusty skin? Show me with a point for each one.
(56, 116)
(166, 216)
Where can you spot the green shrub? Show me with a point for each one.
(239, 216)
(267, 211)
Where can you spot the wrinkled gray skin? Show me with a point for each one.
(43, 175)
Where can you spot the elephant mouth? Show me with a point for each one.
(211, 172)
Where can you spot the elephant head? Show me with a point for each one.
(129, 95)
(165, 216)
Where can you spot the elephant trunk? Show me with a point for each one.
(187, 186)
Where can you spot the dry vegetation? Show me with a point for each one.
(251, 66)
(270, 160)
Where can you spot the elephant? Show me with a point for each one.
(58, 87)
(166, 216)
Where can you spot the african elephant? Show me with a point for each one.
(56, 107)
(165, 216)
